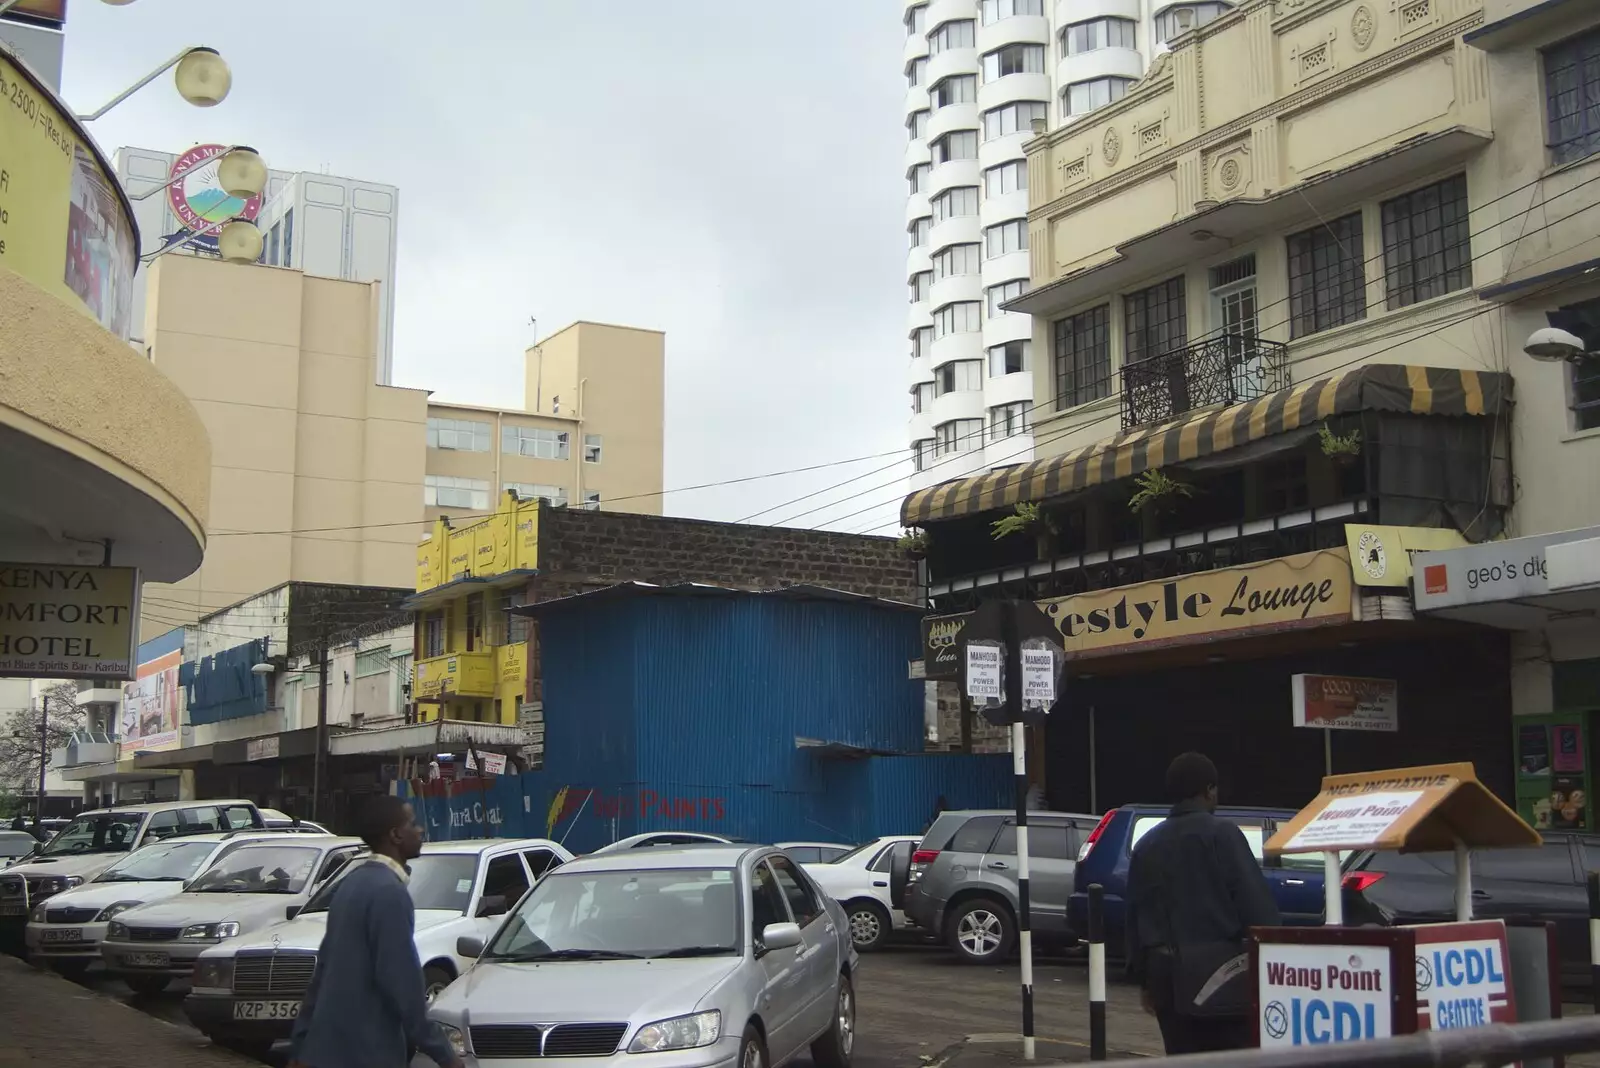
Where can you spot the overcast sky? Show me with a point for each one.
(730, 173)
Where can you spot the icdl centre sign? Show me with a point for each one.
(63, 622)
(1311, 995)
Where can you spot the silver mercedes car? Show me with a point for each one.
(712, 956)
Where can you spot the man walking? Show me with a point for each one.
(366, 1007)
(1194, 890)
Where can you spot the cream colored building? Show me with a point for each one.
(589, 433)
(316, 472)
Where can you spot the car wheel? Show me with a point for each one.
(869, 925)
(833, 1049)
(434, 980)
(148, 985)
(752, 1051)
(981, 931)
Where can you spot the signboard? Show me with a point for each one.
(53, 12)
(151, 707)
(1309, 995)
(198, 199)
(941, 645)
(1364, 819)
(1039, 671)
(1381, 556)
(1462, 971)
(1311, 589)
(531, 717)
(1493, 571)
(65, 224)
(262, 748)
(1345, 703)
(63, 622)
(984, 661)
(494, 763)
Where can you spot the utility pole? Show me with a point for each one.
(44, 757)
(319, 763)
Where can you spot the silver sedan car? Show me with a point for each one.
(701, 957)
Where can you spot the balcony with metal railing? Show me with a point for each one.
(1219, 370)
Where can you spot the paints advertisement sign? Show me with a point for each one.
(198, 199)
(1310, 995)
(1461, 976)
(150, 707)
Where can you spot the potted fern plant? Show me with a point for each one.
(1028, 518)
(1342, 449)
(1157, 492)
(914, 543)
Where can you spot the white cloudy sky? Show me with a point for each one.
(729, 172)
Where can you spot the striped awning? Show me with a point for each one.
(1373, 387)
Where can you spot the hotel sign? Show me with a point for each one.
(64, 622)
(1312, 589)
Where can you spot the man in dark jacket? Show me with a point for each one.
(366, 1007)
(1194, 890)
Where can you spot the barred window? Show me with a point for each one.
(1572, 97)
(956, 89)
(953, 203)
(998, 295)
(1083, 357)
(963, 317)
(1327, 280)
(1586, 394)
(1427, 246)
(1001, 238)
(955, 259)
(1157, 320)
(1013, 118)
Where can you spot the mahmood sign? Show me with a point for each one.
(64, 622)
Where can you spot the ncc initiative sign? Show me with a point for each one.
(63, 622)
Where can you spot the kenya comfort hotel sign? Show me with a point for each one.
(1311, 589)
(63, 622)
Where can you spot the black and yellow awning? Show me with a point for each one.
(1373, 387)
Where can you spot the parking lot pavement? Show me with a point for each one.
(48, 1020)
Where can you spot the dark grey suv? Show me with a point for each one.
(962, 884)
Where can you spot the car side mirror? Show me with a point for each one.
(469, 947)
(292, 911)
(492, 905)
(779, 936)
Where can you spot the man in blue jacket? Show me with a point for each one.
(366, 1007)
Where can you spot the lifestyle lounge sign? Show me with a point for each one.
(1311, 589)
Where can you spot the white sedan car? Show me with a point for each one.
(859, 881)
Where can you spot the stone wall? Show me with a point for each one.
(985, 737)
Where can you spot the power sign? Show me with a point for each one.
(1310, 995)
(1461, 976)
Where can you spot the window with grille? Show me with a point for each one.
(1585, 394)
(1572, 98)
(958, 435)
(953, 203)
(1095, 34)
(1583, 376)
(917, 125)
(921, 338)
(535, 441)
(536, 491)
(1013, 59)
(962, 317)
(466, 435)
(446, 491)
(956, 89)
(917, 177)
(1008, 420)
(1010, 236)
(918, 231)
(1327, 280)
(995, 10)
(958, 376)
(1157, 320)
(433, 635)
(1014, 357)
(1007, 178)
(959, 34)
(921, 282)
(1080, 98)
(371, 662)
(1083, 357)
(1427, 243)
(957, 144)
(1005, 291)
(955, 259)
(1013, 118)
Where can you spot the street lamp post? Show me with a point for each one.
(44, 757)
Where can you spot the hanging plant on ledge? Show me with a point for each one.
(1340, 449)
(1027, 519)
(914, 543)
(1157, 491)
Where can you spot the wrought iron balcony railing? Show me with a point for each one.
(1224, 369)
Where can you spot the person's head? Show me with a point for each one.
(1192, 777)
(388, 827)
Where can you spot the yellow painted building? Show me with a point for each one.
(471, 656)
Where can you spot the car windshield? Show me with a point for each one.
(259, 869)
(16, 843)
(99, 832)
(600, 915)
(159, 862)
(438, 881)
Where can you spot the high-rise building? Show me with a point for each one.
(980, 74)
(324, 225)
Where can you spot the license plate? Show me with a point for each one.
(64, 934)
(13, 908)
(265, 1010)
(146, 960)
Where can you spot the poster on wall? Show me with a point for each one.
(1569, 748)
(1533, 749)
(150, 707)
(1568, 803)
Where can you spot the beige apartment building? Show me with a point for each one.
(589, 433)
(316, 472)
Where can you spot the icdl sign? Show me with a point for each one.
(1461, 976)
(1312, 995)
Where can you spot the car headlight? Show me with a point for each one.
(112, 910)
(215, 972)
(210, 932)
(37, 915)
(680, 1032)
(118, 931)
(457, 1040)
(71, 881)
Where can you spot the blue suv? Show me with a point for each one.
(1296, 880)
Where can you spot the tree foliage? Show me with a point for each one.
(19, 737)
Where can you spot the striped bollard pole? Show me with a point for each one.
(1097, 973)
(1594, 937)
(1019, 759)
